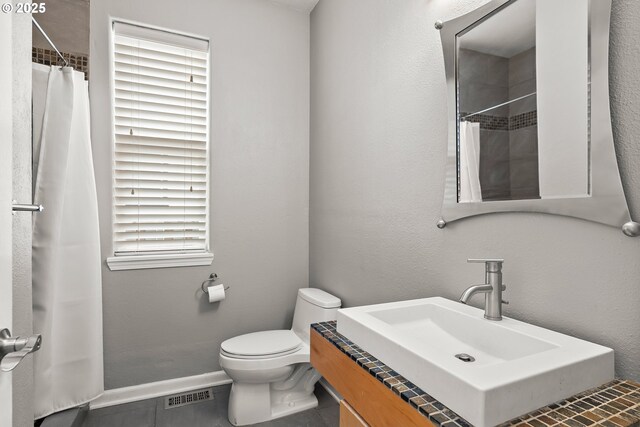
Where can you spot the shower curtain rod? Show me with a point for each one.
(66, 63)
(498, 106)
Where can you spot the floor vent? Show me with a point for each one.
(182, 399)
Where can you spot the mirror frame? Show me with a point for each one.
(606, 203)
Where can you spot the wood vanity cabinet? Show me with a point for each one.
(367, 402)
(349, 417)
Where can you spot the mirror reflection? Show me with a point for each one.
(523, 103)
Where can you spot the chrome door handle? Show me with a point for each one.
(13, 350)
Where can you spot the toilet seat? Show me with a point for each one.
(261, 345)
(233, 362)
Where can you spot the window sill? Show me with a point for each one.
(141, 262)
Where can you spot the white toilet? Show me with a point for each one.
(271, 373)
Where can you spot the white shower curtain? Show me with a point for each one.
(67, 286)
(470, 190)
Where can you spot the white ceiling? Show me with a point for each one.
(300, 5)
(507, 33)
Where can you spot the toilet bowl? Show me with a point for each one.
(271, 373)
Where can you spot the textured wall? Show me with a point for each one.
(66, 22)
(22, 311)
(157, 325)
(378, 142)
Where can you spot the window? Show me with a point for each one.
(160, 166)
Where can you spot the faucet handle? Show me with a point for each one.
(492, 265)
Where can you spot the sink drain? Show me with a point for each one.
(465, 358)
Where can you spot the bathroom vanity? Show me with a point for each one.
(529, 131)
(375, 394)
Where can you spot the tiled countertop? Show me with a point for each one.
(616, 404)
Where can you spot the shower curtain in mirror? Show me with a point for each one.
(470, 190)
(67, 287)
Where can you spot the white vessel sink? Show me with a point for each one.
(518, 367)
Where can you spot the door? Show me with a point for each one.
(6, 172)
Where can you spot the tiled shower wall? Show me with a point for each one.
(484, 82)
(523, 135)
(508, 135)
(50, 57)
(66, 22)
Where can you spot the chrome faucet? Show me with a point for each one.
(492, 288)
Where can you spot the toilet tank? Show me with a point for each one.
(313, 306)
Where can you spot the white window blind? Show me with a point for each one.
(160, 160)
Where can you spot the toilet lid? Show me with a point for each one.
(265, 343)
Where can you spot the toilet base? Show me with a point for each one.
(283, 409)
(256, 403)
(247, 404)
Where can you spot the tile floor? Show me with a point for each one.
(212, 413)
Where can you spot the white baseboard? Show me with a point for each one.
(332, 391)
(136, 393)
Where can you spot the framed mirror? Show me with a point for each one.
(529, 118)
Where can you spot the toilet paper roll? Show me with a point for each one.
(216, 293)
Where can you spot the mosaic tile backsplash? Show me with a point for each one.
(50, 57)
(518, 121)
(616, 404)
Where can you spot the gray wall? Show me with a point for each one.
(523, 142)
(522, 81)
(483, 81)
(378, 149)
(22, 312)
(157, 325)
(67, 24)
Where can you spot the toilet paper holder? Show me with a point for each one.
(212, 278)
